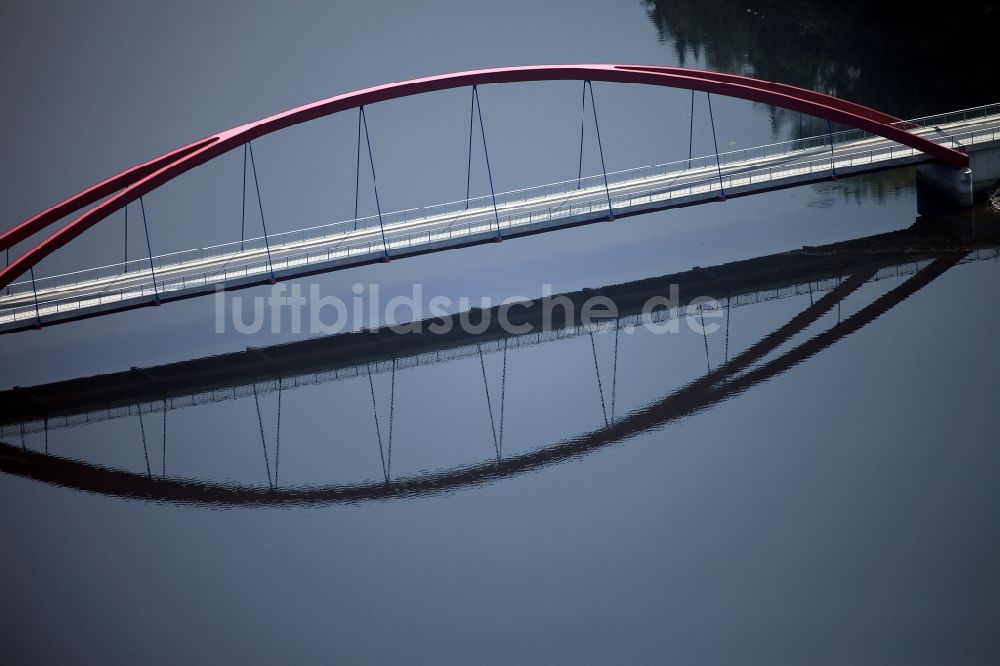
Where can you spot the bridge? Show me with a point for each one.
(821, 277)
(944, 146)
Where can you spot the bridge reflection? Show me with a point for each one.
(835, 271)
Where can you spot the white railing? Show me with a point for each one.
(962, 115)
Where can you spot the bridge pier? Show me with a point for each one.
(961, 187)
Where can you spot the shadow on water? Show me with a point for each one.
(920, 254)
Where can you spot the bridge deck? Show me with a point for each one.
(416, 231)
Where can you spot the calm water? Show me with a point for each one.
(808, 484)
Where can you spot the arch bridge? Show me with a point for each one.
(873, 141)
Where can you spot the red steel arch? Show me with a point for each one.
(140, 180)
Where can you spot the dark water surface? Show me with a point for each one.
(814, 482)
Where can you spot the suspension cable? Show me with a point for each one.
(149, 249)
(691, 132)
(600, 149)
(357, 173)
(503, 392)
(371, 162)
(260, 423)
(243, 203)
(600, 388)
(614, 372)
(260, 205)
(34, 292)
(704, 334)
(277, 437)
(727, 330)
(583, 121)
(486, 152)
(125, 209)
(392, 418)
(378, 430)
(715, 142)
(468, 167)
(142, 431)
(163, 457)
(489, 403)
(833, 165)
